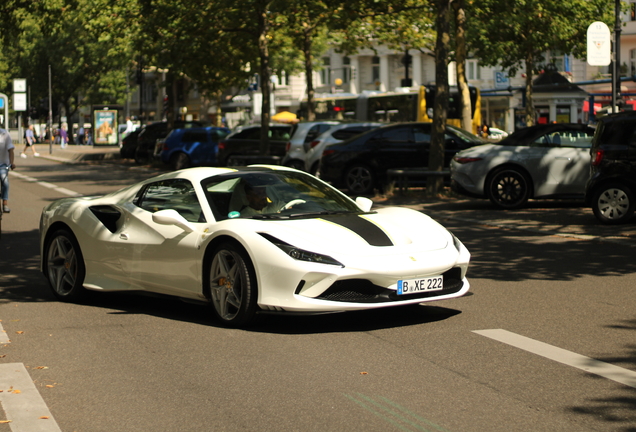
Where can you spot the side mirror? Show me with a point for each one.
(172, 217)
(364, 203)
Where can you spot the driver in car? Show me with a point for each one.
(258, 202)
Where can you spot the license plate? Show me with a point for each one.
(414, 286)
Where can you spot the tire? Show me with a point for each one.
(65, 270)
(180, 161)
(359, 180)
(141, 157)
(296, 164)
(232, 161)
(613, 203)
(232, 285)
(508, 188)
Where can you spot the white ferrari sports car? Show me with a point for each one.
(247, 240)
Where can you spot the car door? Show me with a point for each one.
(559, 162)
(162, 258)
(570, 161)
(396, 148)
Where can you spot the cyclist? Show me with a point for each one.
(6, 163)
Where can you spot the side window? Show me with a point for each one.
(397, 135)
(423, 134)
(313, 132)
(542, 141)
(194, 136)
(176, 194)
(577, 139)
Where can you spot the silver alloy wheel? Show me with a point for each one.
(62, 265)
(359, 180)
(227, 282)
(613, 204)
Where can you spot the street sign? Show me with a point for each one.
(599, 44)
(19, 85)
(19, 102)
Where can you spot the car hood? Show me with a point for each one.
(389, 230)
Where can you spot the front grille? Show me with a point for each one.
(363, 291)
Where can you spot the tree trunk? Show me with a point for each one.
(263, 50)
(460, 59)
(436, 155)
(311, 113)
(530, 114)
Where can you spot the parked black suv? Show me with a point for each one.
(611, 189)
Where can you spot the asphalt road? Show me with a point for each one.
(544, 342)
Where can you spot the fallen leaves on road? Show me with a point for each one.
(364, 373)
(5, 421)
(41, 367)
(44, 417)
(20, 332)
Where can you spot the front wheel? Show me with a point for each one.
(232, 285)
(613, 203)
(359, 180)
(508, 188)
(180, 161)
(65, 269)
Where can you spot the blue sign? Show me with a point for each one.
(1, 102)
(501, 80)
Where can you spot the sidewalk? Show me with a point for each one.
(76, 153)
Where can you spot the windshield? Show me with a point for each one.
(273, 195)
(465, 135)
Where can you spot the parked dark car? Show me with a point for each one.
(360, 164)
(611, 189)
(243, 146)
(184, 148)
(129, 145)
(149, 135)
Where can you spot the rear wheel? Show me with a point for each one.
(359, 179)
(141, 156)
(179, 161)
(65, 269)
(232, 285)
(508, 188)
(613, 203)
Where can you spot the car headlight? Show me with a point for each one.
(301, 254)
(456, 242)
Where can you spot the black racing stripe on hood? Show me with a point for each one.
(369, 231)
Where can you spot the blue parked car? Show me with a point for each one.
(184, 148)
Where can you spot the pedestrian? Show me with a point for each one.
(63, 136)
(6, 163)
(485, 130)
(80, 135)
(30, 143)
(130, 127)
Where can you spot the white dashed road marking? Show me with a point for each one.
(46, 184)
(4, 338)
(587, 364)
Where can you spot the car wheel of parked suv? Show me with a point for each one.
(359, 179)
(179, 161)
(613, 203)
(508, 188)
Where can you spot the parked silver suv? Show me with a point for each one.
(303, 134)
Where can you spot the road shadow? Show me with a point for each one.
(618, 410)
